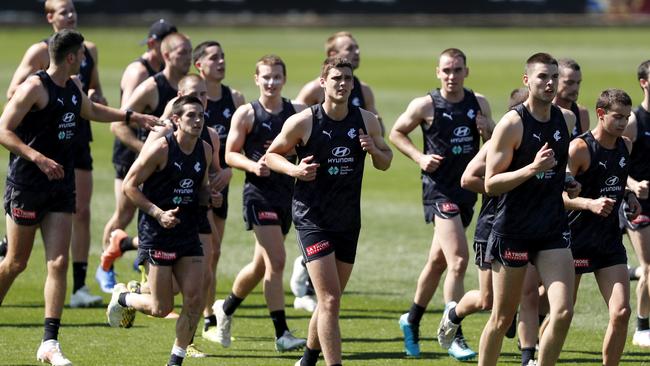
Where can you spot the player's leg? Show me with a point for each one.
(506, 286)
(528, 325)
(451, 237)
(555, 267)
(640, 238)
(20, 241)
(614, 285)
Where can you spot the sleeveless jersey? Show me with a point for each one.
(51, 131)
(275, 189)
(577, 129)
(331, 201)
(176, 185)
(452, 134)
(121, 154)
(639, 167)
(485, 218)
(605, 177)
(218, 115)
(534, 209)
(166, 92)
(356, 96)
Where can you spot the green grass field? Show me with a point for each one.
(399, 65)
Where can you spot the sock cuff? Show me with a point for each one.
(177, 351)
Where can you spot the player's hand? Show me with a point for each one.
(221, 180)
(216, 198)
(168, 219)
(261, 169)
(602, 206)
(146, 121)
(367, 143)
(306, 170)
(544, 159)
(641, 189)
(49, 167)
(634, 207)
(97, 98)
(429, 163)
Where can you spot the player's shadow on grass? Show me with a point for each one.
(382, 340)
(391, 356)
(395, 314)
(67, 325)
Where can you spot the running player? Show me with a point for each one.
(151, 97)
(147, 65)
(267, 201)
(453, 119)
(567, 94)
(331, 140)
(61, 14)
(38, 127)
(638, 181)
(209, 59)
(526, 163)
(599, 160)
(173, 173)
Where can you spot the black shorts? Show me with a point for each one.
(257, 213)
(29, 207)
(82, 158)
(315, 243)
(168, 256)
(588, 259)
(121, 170)
(482, 258)
(446, 209)
(222, 211)
(204, 224)
(520, 252)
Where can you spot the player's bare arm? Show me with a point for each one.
(36, 58)
(473, 178)
(241, 125)
(30, 95)
(95, 92)
(295, 131)
(238, 98)
(373, 142)
(484, 121)
(506, 139)
(584, 118)
(311, 93)
(369, 99)
(419, 110)
(570, 119)
(143, 99)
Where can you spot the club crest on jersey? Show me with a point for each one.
(622, 162)
(197, 167)
(352, 133)
(356, 102)
(471, 114)
(227, 113)
(74, 99)
(557, 136)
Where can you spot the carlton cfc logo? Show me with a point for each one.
(186, 183)
(461, 131)
(341, 151)
(611, 180)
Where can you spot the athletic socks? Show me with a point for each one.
(51, 329)
(459, 332)
(310, 357)
(415, 314)
(642, 324)
(126, 244)
(79, 270)
(3, 247)
(231, 304)
(279, 322)
(122, 299)
(453, 317)
(527, 354)
(209, 321)
(177, 356)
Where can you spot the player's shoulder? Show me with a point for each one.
(38, 54)
(628, 143)
(569, 116)
(91, 46)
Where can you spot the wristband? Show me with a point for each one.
(127, 118)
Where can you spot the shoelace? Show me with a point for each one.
(461, 342)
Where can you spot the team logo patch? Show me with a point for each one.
(163, 256)
(612, 180)
(197, 167)
(581, 263)
(68, 117)
(515, 256)
(227, 113)
(340, 151)
(186, 183)
(557, 136)
(74, 99)
(622, 162)
(267, 215)
(356, 102)
(471, 114)
(23, 214)
(317, 248)
(352, 133)
(461, 131)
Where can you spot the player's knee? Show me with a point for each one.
(15, 267)
(563, 316)
(436, 265)
(58, 264)
(486, 302)
(329, 303)
(620, 315)
(82, 212)
(216, 254)
(458, 265)
(502, 322)
(161, 310)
